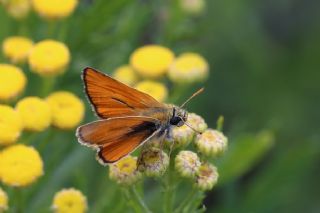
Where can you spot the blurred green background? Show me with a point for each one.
(264, 78)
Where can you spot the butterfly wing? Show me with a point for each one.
(111, 98)
(117, 137)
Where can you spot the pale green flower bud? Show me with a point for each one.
(197, 122)
(206, 177)
(153, 162)
(124, 171)
(211, 143)
(187, 164)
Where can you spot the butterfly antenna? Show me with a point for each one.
(193, 128)
(192, 96)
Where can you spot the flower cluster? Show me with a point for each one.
(149, 65)
(25, 114)
(47, 9)
(189, 147)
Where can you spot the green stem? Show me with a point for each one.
(47, 85)
(186, 201)
(168, 193)
(139, 200)
(51, 28)
(129, 200)
(19, 200)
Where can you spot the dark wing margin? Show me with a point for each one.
(111, 98)
(117, 137)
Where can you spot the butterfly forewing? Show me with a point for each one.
(117, 137)
(110, 98)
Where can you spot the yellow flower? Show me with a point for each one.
(153, 162)
(126, 75)
(35, 113)
(155, 89)
(67, 109)
(54, 9)
(3, 201)
(181, 136)
(151, 61)
(69, 201)
(193, 7)
(49, 57)
(211, 143)
(12, 81)
(125, 171)
(17, 48)
(20, 165)
(187, 163)
(17, 8)
(206, 177)
(10, 125)
(188, 68)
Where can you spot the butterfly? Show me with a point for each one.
(128, 117)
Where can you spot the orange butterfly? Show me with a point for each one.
(129, 118)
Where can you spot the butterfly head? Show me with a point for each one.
(179, 117)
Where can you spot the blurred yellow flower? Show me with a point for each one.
(10, 125)
(188, 68)
(3, 201)
(54, 9)
(20, 165)
(35, 113)
(17, 48)
(155, 89)
(17, 8)
(69, 201)
(49, 57)
(151, 61)
(125, 171)
(126, 75)
(67, 109)
(12, 81)
(193, 7)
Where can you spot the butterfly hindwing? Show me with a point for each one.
(117, 137)
(111, 98)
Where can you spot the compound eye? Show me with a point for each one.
(176, 121)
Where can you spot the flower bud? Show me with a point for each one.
(153, 162)
(187, 163)
(124, 171)
(197, 122)
(206, 177)
(211, 143)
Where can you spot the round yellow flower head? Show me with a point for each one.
(49, 57)
(181, 136)
(17, 48)
(193, 7)
(211, 142)
(12, 81)
(67, 109)
(10, 125)
(124, 171)
(155, 89)
(153, 162)
(197, 122)
(126, 75)
(188, 68)
(20, 165)
(35, 113)
(151, 61)
(3, 201)
(56, 9)
(18, 9)
(206, 177)
(187, 163)
(69, 201)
